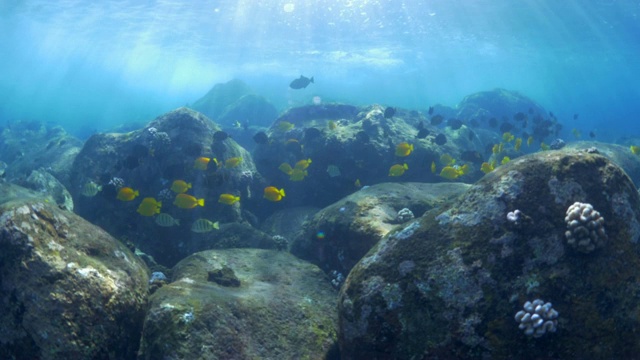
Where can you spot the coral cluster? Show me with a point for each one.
(404, 215)
(537, 318)
(585, 227)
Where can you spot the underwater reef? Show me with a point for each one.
(328, 231)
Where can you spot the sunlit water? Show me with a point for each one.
(98, 64)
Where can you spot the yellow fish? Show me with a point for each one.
(203, 225)
(303, 164)
(357, 183)
(180, 186)
(404, 149)
(433, 167)
(149, 207)
(398, 170)
(127, 194)
(201, 163)
(232, 162)
(576, 133)
(271, 193)
(449, 172)
(508, 137)
(284, 126)
(635, 150)
(228, 199)
(486, 167)
(463, 170)
(332, 125)
(495, 149)
(530, 141)
(505, 160)
(285, 168)
(518, 144)
(544, 146)
(297, 174)
(447, 160)
(500, 147)
(185, 201)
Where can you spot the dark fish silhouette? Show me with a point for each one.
(389, 112)
(220, 136)
(436, 120)
(311, 134)
(575, 116)
(455, 124)
(430, 110)
(301, 82)
(423, 133)
(441, 139)
(592, 134)
(261, 138)
(505, 127)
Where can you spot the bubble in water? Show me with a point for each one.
(317, 100)
(289, 7)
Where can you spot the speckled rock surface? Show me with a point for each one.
(448, 284)
(69, 290)
(351, 226)
(242, 304)
(621, 155)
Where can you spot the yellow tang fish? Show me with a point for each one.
(332, 125)
(232, 162)
(285, 168)
(449, 172)
(635, 150)
(447, 160)
(297, 174)
(271, 193)
(201, 163)
(303, 164)
(228, 199)
(127, 194)
(284, 126)
(149, 207)
(505, 160)
(203, 225)
(404, 149)
(398, 170)
(433, 167)
(186, 201)
(576, 133)
(518, 144)
(180, 186)
(357, 183)
(508, 137)
(464, 169)
(486, 167)
(544, 146)
(500, 147)
(495, 149)
(530, 141)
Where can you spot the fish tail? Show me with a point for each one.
(177, 222)
(201, 202)
(281, 192)
(216, 225)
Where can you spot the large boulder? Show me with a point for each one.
(242, 304)
(453, 283)
(69, 290)
(339, 235)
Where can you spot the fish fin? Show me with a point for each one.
(281, 192)
(216, 225)
(177, 222)
(201, 202)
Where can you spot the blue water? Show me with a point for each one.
(99, 64)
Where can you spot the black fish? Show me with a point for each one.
(592, 134)
(575, 116)
(301, 82)
(441, 139)
(311, 134)
(261, 138)
(430, 110)
(472, 156)
(220, 136)
(519, 116)
(505, 127)
(455, 124)
(423, 133)
(493, 122)
(436, 120)
(389, 112)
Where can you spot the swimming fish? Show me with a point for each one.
(166, 220)
(180, 186)
(221, 135)
(301, 82)
(302, 164)
(228, 199)
(530, 141)
(271, 193)
(333, 171)
(297, 174)
(433, 167)
(389, 112)
(201, 163)
(404, 149)
(635, 150)
(454, 124)
(518, 144)
(505, 160)
(440, 139)
(186, 201)
(331, 125)
(285, 168)
(544, 146)
(576, 133)
(357, 183)
(90, 189)
(203, 226)
(398, 170)
(284, 126)
(508, 137)
(449, 172)
(149, 207)
(261, 138)
(486, 167)
(127, 194)
(436, 120)
(232, 162)
(447, 160)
